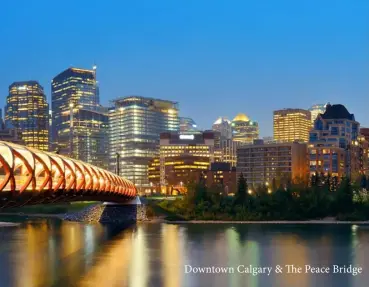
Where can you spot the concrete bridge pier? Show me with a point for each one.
(110, 212)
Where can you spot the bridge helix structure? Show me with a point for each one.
(30, 176)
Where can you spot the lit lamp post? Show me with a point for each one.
(71, 106)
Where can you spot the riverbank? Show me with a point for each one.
(266, 222)
(60, 216)
(8, 224)
(162, 219)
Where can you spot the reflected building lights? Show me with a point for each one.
(139, 272)
(171, 249)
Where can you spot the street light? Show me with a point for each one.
(71, 106)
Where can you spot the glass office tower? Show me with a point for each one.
(135, 124)
(79, 122)
(28, 112)
(188, 126)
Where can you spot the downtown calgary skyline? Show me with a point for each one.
(147, 141)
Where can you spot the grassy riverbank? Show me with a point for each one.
(50, 209)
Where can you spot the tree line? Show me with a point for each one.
(323, 196)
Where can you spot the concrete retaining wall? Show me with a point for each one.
(109, 214)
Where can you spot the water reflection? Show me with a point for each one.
(55, 253)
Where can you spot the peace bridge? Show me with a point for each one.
(30, 176)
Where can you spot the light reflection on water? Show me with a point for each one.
(55, 253)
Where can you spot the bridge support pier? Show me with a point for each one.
(108, 212)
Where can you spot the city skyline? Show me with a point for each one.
(304, 54)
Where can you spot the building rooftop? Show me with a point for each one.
(221, 120)
(337, 112)
(241, 118)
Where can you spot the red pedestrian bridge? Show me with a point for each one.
(31, 176)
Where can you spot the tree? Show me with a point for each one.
(274, 184)
(328, 182)
(241, 190)
(363, 181)
(344, 196)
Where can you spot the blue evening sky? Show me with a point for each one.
(216, 58)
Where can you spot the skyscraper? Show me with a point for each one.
(135, 124)
(223, 125)
(244, 130)
(183, 156)
(291, 125)
(335, 146)
(188, 126)
(27, 111)
(315, 110)
(79, 122)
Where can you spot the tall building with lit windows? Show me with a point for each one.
(244, 130)
(336, 146)
(224, 127)
(181, 159)
(262, 163)
(188, 126)
(79, 122)
(28, 112)
(291, 125)
(135, 124)
(315, 110)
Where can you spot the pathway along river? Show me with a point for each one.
(49, 252)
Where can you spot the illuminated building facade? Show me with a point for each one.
(291, 125)
(182, 157)
(262, 163)
(222, 175)
(225, 146)
(135, 124)
(27, 111)
(154, 174)
(188, 126)
(335, 145)
(315, 110)
(223, 126)
(79, 122)
(365, 133)
(244, 130)
(12, 136)
(226, 150)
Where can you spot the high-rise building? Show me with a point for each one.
(315, 110)
(12, 136)
(182, 156)
(228, 148)
(27, 111)
(79, 122)
(335, 146)
(135, 124)
(291, 125)
(262, 163)
(188, 126)
(2, 123)
(244, 130)
(223, 125)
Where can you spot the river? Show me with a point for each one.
(49, 252)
